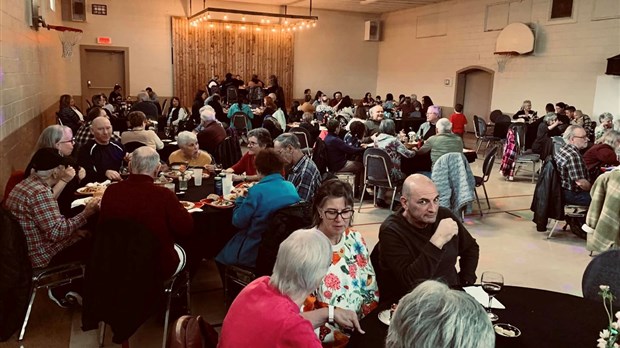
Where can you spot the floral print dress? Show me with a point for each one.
(350, 283)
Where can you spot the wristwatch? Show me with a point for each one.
(330, 314)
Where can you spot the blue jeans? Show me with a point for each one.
(577, 198)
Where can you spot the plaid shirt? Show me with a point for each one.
(84, 135)
(47, 231)
(306, 178)
(571, 166)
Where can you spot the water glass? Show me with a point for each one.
(197, 176)
(167, 132)
(169, 186)
(182, 183)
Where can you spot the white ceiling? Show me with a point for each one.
(368, 6)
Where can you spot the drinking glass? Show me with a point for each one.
(492, 283)
(197, 176)
(167, 132)
(182, 183)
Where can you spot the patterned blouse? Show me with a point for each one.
(395, 149)
(350, 283)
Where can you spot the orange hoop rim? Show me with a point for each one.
(507, 53)
(63, 29)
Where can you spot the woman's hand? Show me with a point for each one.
(67, 174)
(82, 174)
(347, 319)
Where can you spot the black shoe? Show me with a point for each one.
(382, 204)
(541, 228)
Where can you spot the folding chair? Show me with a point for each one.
(377, 169)
(487, 168)
(603, 269)
(480, 130)
(239, 123)
(523, 158)
(303, 135)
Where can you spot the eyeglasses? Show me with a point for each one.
(332, 214)
(72, 141)
(581, 137)
(252, 143)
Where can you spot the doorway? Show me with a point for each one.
(474, 89)
(101, 68)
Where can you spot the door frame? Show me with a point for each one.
(84, 48)
(459, 88)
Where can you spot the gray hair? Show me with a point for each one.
(605, 116)
(302, 262)
(432, 315)
(273, 96)
(143, 96)
(611, 138)
(414, 97)
(207, 113)
(387, 127)
(308, 117)
(434, 109)
(186, 137)
(569, 133)
(286, 139)
(51, 136)
(263, 137)
(444, 126)
(144, 160)
(550, 118)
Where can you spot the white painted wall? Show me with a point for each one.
(568, 60)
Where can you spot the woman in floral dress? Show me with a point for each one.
(350, 286)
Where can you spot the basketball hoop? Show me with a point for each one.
(502, 58)
(69, 37)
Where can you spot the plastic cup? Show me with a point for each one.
(197, 176)
(169, 186)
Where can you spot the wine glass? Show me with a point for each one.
(492, 283)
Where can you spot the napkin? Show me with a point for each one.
(482, 297)
(174, 143)
(194, 210)
(78, 202)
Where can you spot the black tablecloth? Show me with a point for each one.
(412, 124)
(422, 162)
(545, 318)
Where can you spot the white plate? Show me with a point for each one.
(384, 316)
(505, 329)
(166, 140)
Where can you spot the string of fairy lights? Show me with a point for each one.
(248, 20)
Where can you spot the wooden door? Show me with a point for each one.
(474, 90)
(102, 68)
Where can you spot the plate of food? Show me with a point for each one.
(161, 180)
(386, 315)
(216, 201)
(92, 188)
(175, 174)
(188, 205)
(245, 185)
(507, 330)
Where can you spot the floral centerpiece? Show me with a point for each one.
(608, 337)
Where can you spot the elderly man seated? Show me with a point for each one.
(302, 171)
(156, 207)
(52, 239)
(572, 167)
(189, 152)
(433, 315)
(84, 134)
(373, 123)
(212, 133)
(427, 129)
(443, 142)
(102, 157)
(145, 105)
(423, 241)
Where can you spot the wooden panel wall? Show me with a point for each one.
(201, 52)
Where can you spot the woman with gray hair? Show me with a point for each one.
(606, 121)
(387, 141)
(433, 315)
(548, 128)
(266, 312)
(189, 152)
(211, 133)
(258, 140)
(603, 154)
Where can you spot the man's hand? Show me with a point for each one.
(583, 184)
(347, 319)
(67, 174)
(92, 206)
(446, 230)
(113, 175)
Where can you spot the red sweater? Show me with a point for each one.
(458, 121)
(156, 207)
(245, 164)
(600, 155)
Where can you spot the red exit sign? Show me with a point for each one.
(104, 40)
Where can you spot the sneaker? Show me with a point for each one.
(74, 298)
(61, 301)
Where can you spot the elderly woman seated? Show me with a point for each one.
(139, 133)
(252, 212)
(212, 132)
(432, 315)
(603, 154)
(266, 312)
(443, 142)
(189, 152)
(605, 123)
(547, 129)
(349, 290)
(258, 140)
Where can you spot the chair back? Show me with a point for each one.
(519, 131)
(190, 331)
(319, 155)
(487, 165)
(256, 95)
(495, 115)
(133, 145)
(239, 120)
(231, 94)
(163, 107)
(282, 223)
(228, 152)
(477, 127)
(502, 123)
(602, 270)
(15, 274)
(377, 167)
(303, 135)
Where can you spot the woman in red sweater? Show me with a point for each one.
(605, 153)
(258, 139)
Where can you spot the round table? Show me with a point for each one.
(545, 318)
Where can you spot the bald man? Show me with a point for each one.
(423, 241)
(102, 157)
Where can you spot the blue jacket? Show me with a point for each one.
(251, 218)
(337, 151)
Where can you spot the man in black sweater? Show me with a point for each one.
(423, 241)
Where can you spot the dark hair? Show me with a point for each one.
(346, 102)
(149, 89)
(458, 107)
(561, 104)
(117, 87)
(93, 113)
(269, 103)
(361, 112)
(571, 108)
(337, 92)
(401, 97)
(332, 125)
(216, 97)
(427, 101)
(307, 98)
(136, 118)
(389, 97)
(268, 162)
(357, 129)
(294, 106)
(306, 90)
(254, 78)
(173, 99)
(318, 95)
(228, 76)
(65, 101)
(366, 95)
(95, 98)
(274, 80)
(198, 96)
(332, 188)
(549, 107)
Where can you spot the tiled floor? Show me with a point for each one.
(508, 243)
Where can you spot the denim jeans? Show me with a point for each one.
(577, 198)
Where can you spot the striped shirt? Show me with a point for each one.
(305, 176)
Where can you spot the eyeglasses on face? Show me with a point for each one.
(332, 214)
(72, 141)
(252, 143)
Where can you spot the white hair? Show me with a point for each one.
(186, 137)
(143, 96)
(144, 160)
(273, 96)
(432, 315)
(434, 109)
(569, 133)
(444, 126)
(302, 262)
(207, 113)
